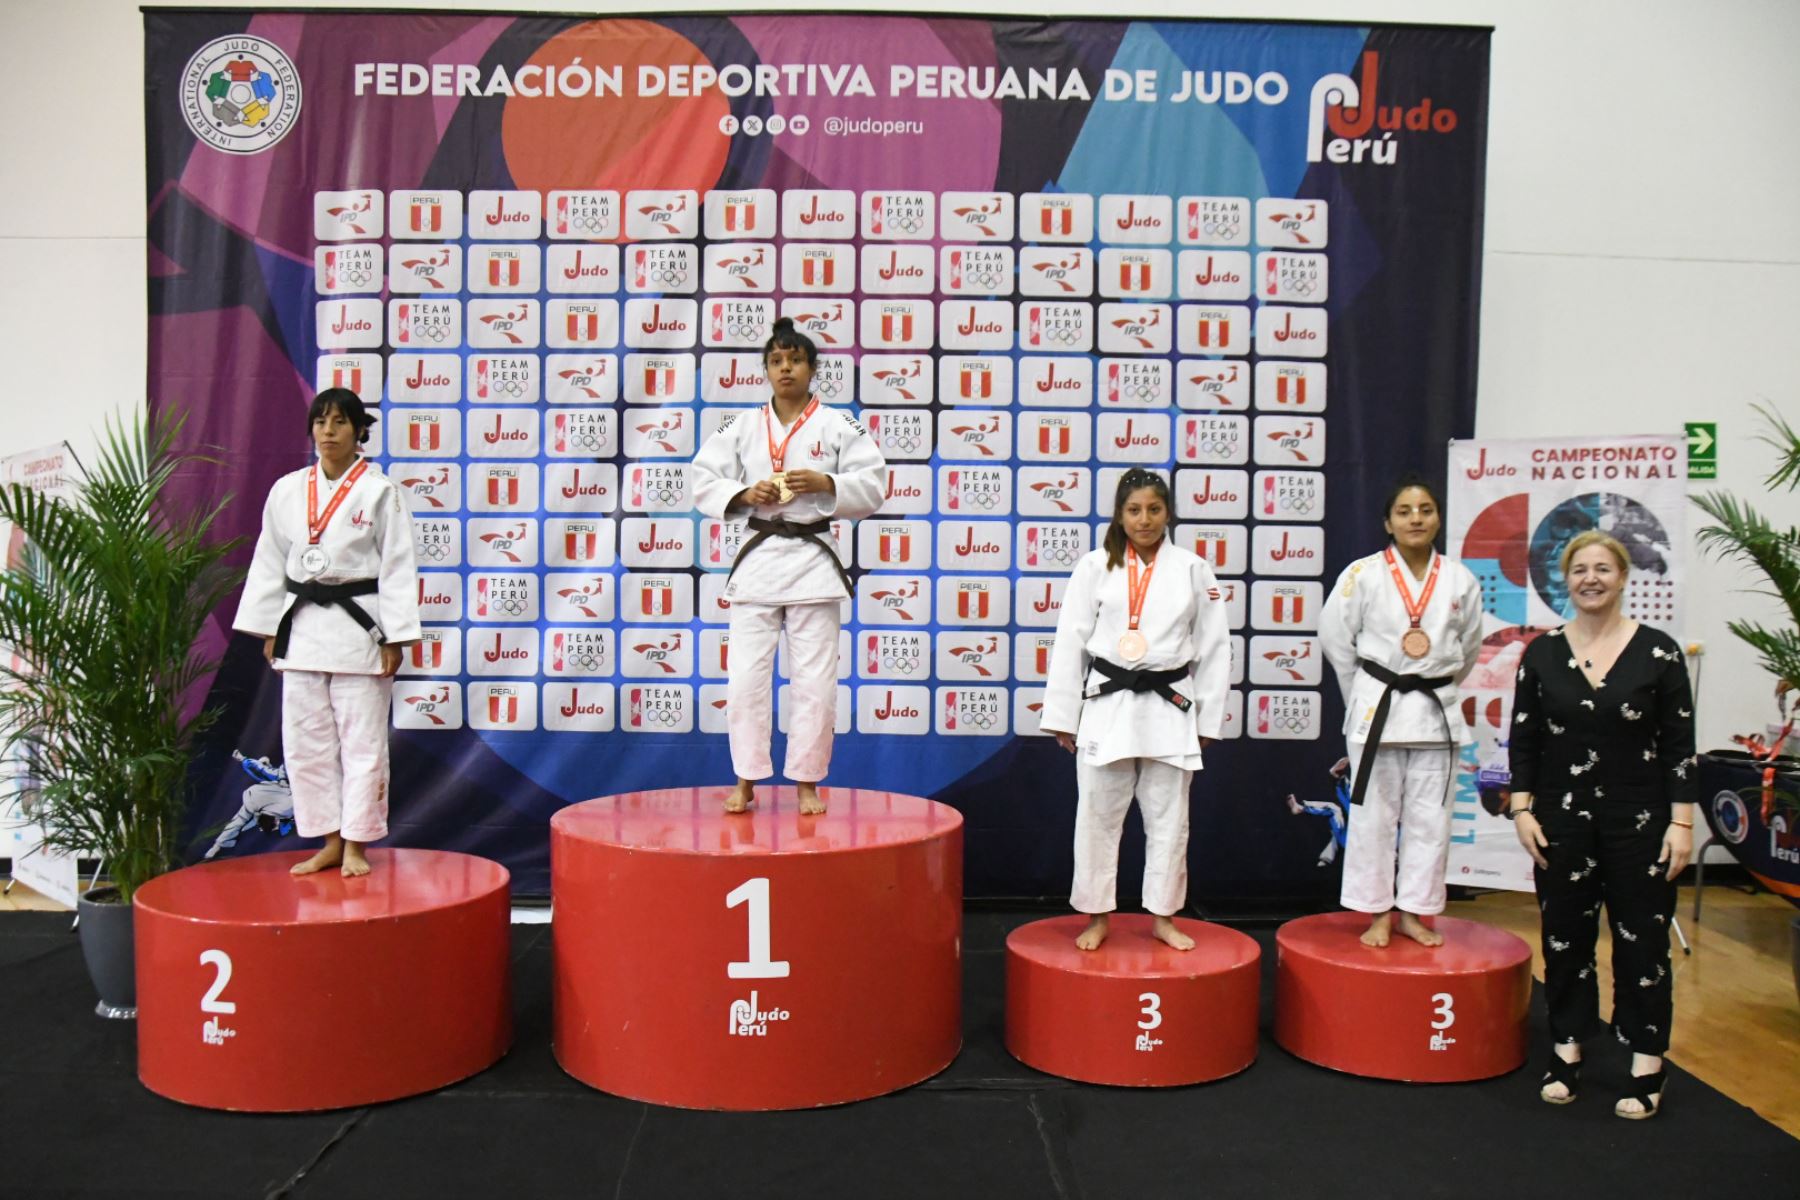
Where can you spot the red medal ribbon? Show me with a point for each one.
(1414, 612)
(315, 524)
(778, 454)
(1135, 592)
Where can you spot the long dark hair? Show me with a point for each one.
(346, 402)
(1133, 480)
(784, 336)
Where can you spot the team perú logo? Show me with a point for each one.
(240, 94)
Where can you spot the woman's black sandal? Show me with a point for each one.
(1646, 1090)
(1561, 1071)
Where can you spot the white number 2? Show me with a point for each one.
(755, 892)
(1441, 1002)
(1152, 1010)
(220, 962)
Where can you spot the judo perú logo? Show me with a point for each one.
(750, 1020)
(240, 94)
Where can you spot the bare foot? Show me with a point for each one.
(1095, 933)
(1377, 933)
(1419, 932)
(810, 803)
(741, 797)
(329, 855)
(1163, 930)
(354, 862)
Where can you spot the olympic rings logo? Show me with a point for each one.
(595, 224)
(585, 441)
(669, 277)
(981, 281)
(906, 224)
(512, 608)
(1221, 227)
(430, 333)
(586, 661)
(662, 716)
(901, 664)
(1216, 447)
(1304, 287)
(352, 279)
(1292, 724)
(1061, 335)
(901, 443)
(435, 551)
(984, 500)
(828, 385)
(744, 330)
(1147, 390)
(1063, 557)
(980, 719)
(664, 495)
(1300, 505)
(514, 387)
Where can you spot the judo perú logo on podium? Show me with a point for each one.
(240, 94)
(748, 1020)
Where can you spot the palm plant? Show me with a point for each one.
(102, 613)
(1743, 533)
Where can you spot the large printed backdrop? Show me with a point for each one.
(1033, 255)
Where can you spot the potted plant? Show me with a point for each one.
(1741, 532)
(99, 699)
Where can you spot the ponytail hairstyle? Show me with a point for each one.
(346, 402)
(785, 337)
(1133, 480)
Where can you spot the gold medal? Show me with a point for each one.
(1132, 646)
(779, 479)
(1415, 643)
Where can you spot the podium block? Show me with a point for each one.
(262, 992)
(1444, 1015)
(762, 960)
(1135, 1012)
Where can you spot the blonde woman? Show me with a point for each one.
(1603, 787)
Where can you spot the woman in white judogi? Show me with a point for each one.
(1402, 628)
(788, 468)
(1136, 689)
(334, 594)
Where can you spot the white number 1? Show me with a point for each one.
(1152, 1010)
(755, 892)
(1441, 1002)
(220, 962)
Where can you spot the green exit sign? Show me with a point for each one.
(1703, 449)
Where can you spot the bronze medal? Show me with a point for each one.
(1415, 643)
(1132, 646)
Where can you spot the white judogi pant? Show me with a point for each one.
(334, 739)
(812, 632)
(1105, 792)
(1407, 789)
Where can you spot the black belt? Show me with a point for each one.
(1133, 679)
(768, 527)
(1395, 683)
(325, 594)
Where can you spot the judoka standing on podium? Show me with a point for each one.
(790, 468)
(333, 591)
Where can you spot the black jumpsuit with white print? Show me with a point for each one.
(1603, 765)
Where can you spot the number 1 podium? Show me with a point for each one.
(759, 960)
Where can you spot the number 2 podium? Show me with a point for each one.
(260, 992)
(760, 960)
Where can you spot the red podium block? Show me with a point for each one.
(262, 992)
(1446, 1015)
(1134, 1012)
(761, 960)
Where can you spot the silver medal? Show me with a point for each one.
(314, 560)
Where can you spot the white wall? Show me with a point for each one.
(1642, 257)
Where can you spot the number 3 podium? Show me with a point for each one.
(759, 960)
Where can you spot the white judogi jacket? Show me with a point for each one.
(790, 570)
(1365, 617)
(370, 537)
(1185, 622)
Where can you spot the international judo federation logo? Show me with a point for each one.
(240, 94)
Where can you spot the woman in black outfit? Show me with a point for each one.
(1603, 785)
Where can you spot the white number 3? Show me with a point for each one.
(1152, 1010)
(1441, 1003)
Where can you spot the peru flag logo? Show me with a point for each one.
(658, 600)
(893, 548)
(818, 272)
(503, 272)
(1134, 277)
(896, 328)
(503, 707)
(659, 381)
(426, 217)
(584, 327)
(503, 489)
(1213, 332)
(1056, 222)
(1053, 439)
(740, 214)
(973, 605)
(977, 385)
(581, 544)
(424, 433)
(352, 379)
(427, 655)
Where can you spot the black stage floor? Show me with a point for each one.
(78, 1123)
